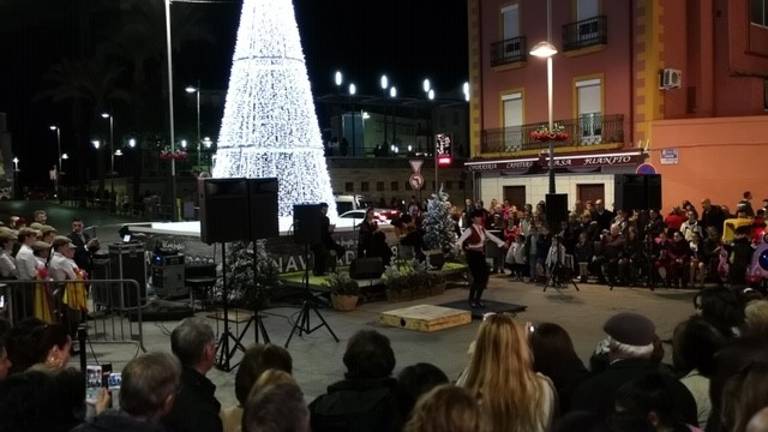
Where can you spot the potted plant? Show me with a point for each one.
(397, 280)
(345, 292)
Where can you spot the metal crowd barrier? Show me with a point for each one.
(114, 317)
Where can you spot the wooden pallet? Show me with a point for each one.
(425, 318)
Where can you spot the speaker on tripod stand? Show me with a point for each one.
(237, 209)
(307, 231)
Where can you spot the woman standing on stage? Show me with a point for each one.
(473, 241)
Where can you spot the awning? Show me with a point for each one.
(577, 162)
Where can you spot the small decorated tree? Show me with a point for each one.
(240, 278)
(439, 226)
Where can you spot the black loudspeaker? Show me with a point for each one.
(224, 210)
(264, 210)
(638, 192)
(557, 210)
(366, 268)
(127, 262)
(653, 191)
(306, 223)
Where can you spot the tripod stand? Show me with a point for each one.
(560, 275)
(302, 324)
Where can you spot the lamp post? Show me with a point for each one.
(111, 141)
(384, 84)
(431, 96)
(58, 148)
(546, 50)
(393, 95)
(171, 131)
(352, 93)
(196, 90)
(15, 161)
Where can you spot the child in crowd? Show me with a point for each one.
(516, 258)
(583, 255)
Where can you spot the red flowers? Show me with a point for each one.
(543, 134)
(175, 155)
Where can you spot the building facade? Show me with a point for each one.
(678, 85)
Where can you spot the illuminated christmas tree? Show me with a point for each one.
(270, 127)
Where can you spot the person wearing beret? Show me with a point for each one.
(630, 349)
(7, 263)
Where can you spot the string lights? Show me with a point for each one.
(270, 128)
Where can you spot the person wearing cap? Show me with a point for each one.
(40, 216)
(26, 263)
(473, 240)
(64, 269)
(7, 263)
(42, 297)
(62, 265)
(630, 344)
(48, 233)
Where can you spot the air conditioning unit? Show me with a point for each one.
(670, 79)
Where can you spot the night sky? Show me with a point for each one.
(406, 39)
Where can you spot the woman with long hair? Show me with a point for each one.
(445, 408)
(555, 357)
(513, 397)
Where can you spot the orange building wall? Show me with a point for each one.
(719, 158)
(613, 63)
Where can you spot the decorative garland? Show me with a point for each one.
(543, 134)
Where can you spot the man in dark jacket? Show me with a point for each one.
(147, 393)
(322, 250)
(366, 400)
(603, 217)
(712, 216)
(196, 408)
(84, 245)
(631, 346)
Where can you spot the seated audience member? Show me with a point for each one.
(279, 407)
(43, 400)
(723, 308)
(33, 342)
(256, 360)
(555, 357)
(5, 362)
(743, 396)
(679, 258)
(756, 318)
(759, 421)
(691, 227)
(147, 393)
(675, 219)
(630, 351)
(446, 408)
(647, 403)
(366, 399)
(500, 375)
(695, 343)
(196, 408)
(415, 381)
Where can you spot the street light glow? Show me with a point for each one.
(366, 116)
(426, 85)
(543, 49)
(118, 152)
(338, 78)
(190, 89)
(96, 144)
(132, 143)
(352, 89)
(105, 115)
(16, 160)
(207, 142)
(384, 82)
(465, 89)
(431, 94)
(64, 156)
(393, 92)
(53, 127)
(183, 144)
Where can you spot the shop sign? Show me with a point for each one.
(578, 162)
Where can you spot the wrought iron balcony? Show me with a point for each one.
(585, 33)
(508, 51)
(585, 131)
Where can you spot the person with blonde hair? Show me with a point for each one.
(756, 317)
(500, 375)
(446, 408)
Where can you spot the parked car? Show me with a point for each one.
(345, 203)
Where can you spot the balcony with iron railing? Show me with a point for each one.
(586, 132)
(585, 33)
(508, 51)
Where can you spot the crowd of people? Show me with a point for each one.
(520, 376)
(51, 269)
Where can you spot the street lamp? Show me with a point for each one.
(393, 92)
(196, 90)
(171, 127)
(118, 152)
(546, 50)
(352, 89)
(183, 144)
(431, 94)
(64, 156)
(384, 81)
(338, 78)
(465, 89)
(132, 143)
(207, 142)
(96, 144)
(352, 93)
(111, 140)
(58, 148)
(15, 164)
(426, 85)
